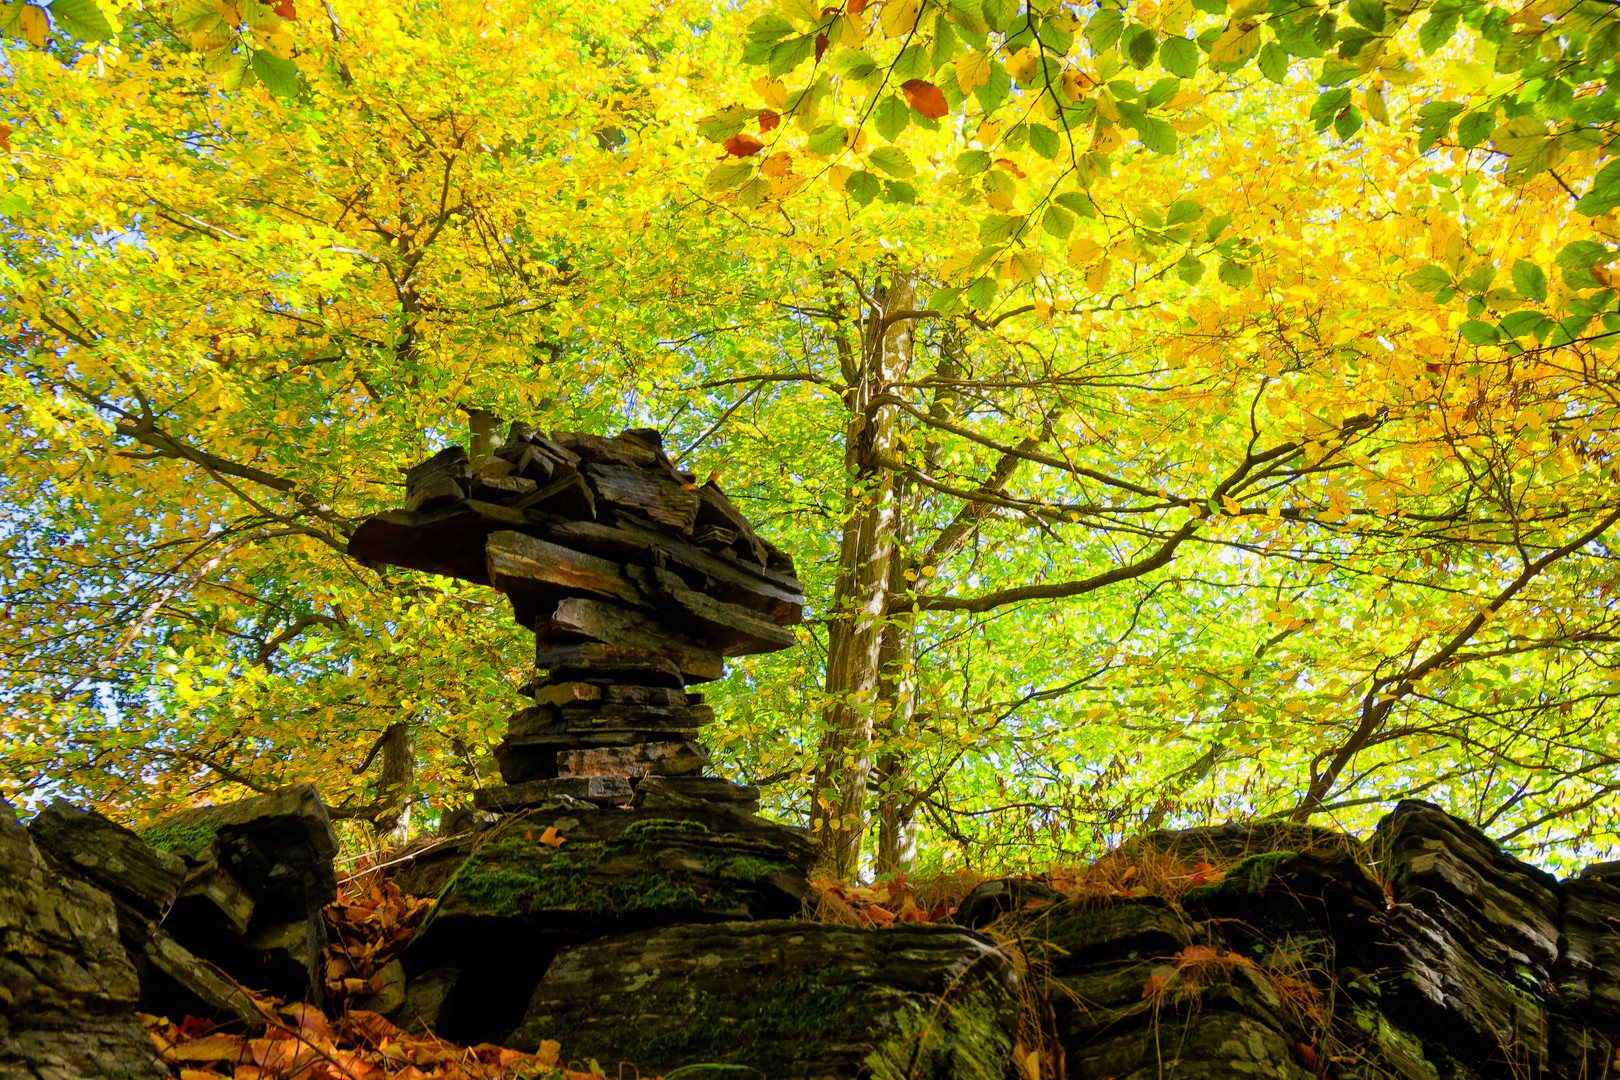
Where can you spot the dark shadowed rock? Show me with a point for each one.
(990, 900)
(787, 999)
(67, 988)
(279, 847)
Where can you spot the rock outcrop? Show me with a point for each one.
(67, 987)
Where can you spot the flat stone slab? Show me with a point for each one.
(791, 1000)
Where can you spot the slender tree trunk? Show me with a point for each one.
(897, 696)
(861, 592)
(398, 768)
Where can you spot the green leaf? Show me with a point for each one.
(1235, 274)
(1184, 210)
(1475, 128)
(770, 27)
(1157, 135)
(1103, 28)
(1140, 45)
(1057, 222)
(862, 187)
(999, 228)
(279, 76)
(83, 20)
(1273, 62)
(892, 160)
(1576, 260)
(1213, 7)
(1079, 202)
(1369, 13)
(1347, 123)
(1044, 140)
(827, 141)
(1437, 30)
(1529, 280)
(1161, 91)
(890, 116)
(1327, 107)
(899, 192)
(972, 162)
(945, 300)
(1179, 57)
(789, 54)
(727, 175)
(1479, 333)
(1190, 269)
(982, 292)
(1217, 225)
(1526, 323)
(992, 94)
(1605, 193)
(1429, 279)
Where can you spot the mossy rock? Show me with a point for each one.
(788, 999)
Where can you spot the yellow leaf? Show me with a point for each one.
(850, 33)
(1083, 251)
(1097, 278)
(1237, 41)
(1023, 65)
(549, 1051)
(551, 837)
(898, 17)
(1374, 102)
(837, 175)
(772, 91)
(972, 70)
(1026, 265)
(35, 26)
(800, 10)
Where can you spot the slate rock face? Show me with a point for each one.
(67, 988)
(514, 900)
(258, 873)
(786, 999)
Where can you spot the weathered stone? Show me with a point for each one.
(567, 693)
(110, 857)
(642, 759)
(612, 871)
(278, 846)
(387, 989)
(176, 983)
(1585, 1033)
(605, 790)
(660, 791)
(285, 959)
(67, 987)
(212, 905)
(788, 999)
(424, 998)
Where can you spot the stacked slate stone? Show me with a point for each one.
(637, 582)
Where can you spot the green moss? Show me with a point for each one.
(1248, 876)
(512, 876)
(1398, 1050)
(698, 1028)
(181, 837)
(964, 1039)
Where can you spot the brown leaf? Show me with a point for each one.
(821, 45)
(1154, 984)
(284, 8)
(1305, 1054)
(1011, 166)
(744, 145)
(925, 97)
(1196, 954)
(551, 837)
(768, 118)
(854, 7)
(210, 1048)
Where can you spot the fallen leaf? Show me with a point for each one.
(210, 1048)
(549, 1051)
(1196, 954)
(925, 97)
(1305, 1054)
(551, 838)
(1154, 984)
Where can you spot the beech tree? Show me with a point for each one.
(1176, 412)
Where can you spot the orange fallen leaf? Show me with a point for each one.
(209, 1048)
(551, 837)
(1196, 954)
(1154, 984)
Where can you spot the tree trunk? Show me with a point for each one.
(861, 592)
(391, 824)
(897, 697)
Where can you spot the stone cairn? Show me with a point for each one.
(636, 581)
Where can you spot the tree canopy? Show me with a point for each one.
(1176, 409)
